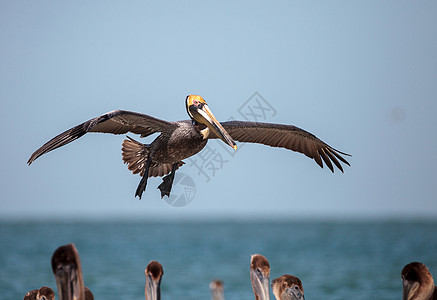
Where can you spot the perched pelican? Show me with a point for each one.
(259, 276)
(44, 293)
(68, 273)
(287, 287)
(417, 283)
(153, 272)
(67, 270)
(217, 290)
(182, 139)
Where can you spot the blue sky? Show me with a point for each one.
(361, 76)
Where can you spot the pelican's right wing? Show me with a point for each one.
(285, 136)
(115, 122)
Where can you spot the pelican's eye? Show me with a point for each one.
(198, 104)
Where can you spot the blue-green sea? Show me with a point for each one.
(334, 260)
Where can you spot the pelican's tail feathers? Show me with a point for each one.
(135, 155)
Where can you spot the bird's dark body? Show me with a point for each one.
(183, 142)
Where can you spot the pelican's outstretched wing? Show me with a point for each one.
(285, 136)
(115, 122)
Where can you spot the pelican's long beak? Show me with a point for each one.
(153, 272)
(408, 288)
(293, 294)
(200, 112)
(67, 283)
(260, 284)
(153, 288)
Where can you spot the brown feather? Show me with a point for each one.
(334, 160)
(326, 160)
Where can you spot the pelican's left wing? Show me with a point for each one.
(115, 122)
(285, 136)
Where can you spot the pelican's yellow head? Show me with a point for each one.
(198, 111)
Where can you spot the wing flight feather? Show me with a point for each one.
(286, 136)
(115, 122)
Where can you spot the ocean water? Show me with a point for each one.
(345, 260)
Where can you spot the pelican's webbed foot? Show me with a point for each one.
(141, 186)
(143, 183)
(167, 182)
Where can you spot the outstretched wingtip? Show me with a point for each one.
(342, 152)
(30, 160)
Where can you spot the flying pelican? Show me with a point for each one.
(43, 293)
(183, 139)
(153, 272)
(217, 290)
(417, 282)
(287, 287)
(259, 276)
(68, 273)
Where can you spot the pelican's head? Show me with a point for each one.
(68, 273)
(259, 276)
(287, 287)
(45, 293)
(153, 272)
(200, 113)
(417, 282)
(217, 290)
